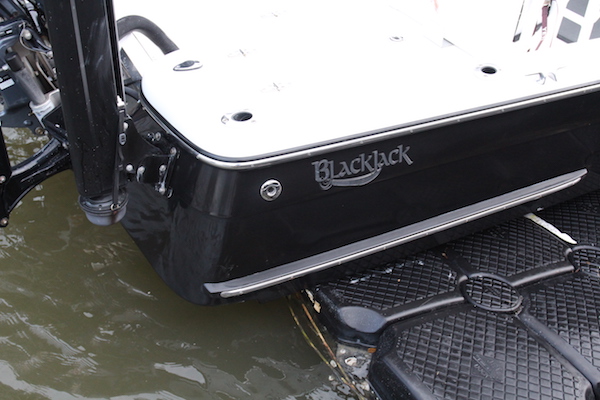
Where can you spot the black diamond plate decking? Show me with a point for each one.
(467, 353)
(411, 279)
(580, 218)
(510, 312)
(509, 248)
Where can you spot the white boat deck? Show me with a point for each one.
(300, 74)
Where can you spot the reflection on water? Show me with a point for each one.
(83, 316)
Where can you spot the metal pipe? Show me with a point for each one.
(28, 83)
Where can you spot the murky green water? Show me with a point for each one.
(83, 316)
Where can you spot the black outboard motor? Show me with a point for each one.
(30, 100)
(73, 92)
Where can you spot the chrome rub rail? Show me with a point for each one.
(287, 272)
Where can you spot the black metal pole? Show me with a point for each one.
(83, 38)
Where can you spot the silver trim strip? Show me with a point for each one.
(319, 262)
(367, 138)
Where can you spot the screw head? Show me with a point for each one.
(3, 222)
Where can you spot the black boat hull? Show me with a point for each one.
(214, 239)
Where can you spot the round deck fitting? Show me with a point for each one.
(188, 65)
(271, 190)
(491, 293)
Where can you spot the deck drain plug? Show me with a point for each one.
(488, 70)
(491, 293)
(188, 65)
(586, 259)
(271, 189)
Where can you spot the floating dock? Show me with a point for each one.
(509, 312)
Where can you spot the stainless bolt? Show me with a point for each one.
(129, 168)
(140, 173)
(4, 222)
(2, 179)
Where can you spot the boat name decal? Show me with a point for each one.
(360, 170)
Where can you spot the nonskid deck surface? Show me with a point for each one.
(277, 77)
(510, 312)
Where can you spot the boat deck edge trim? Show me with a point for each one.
(367, 137)
(319, 262)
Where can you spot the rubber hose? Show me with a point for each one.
(149, 29)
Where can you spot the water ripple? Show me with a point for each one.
(84, 316)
